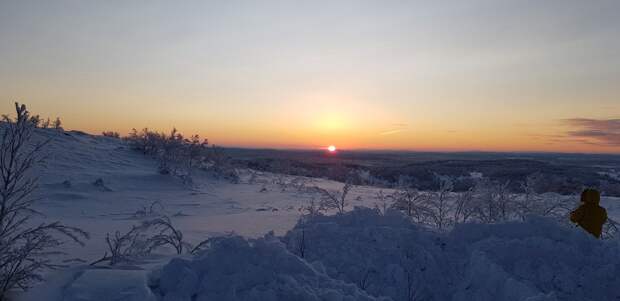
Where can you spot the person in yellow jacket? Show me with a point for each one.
(590, 216)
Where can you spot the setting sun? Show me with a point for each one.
(331, 148)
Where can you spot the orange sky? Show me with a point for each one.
(480, 75)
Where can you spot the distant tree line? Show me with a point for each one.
(422, 176)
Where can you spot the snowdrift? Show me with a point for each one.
(363, 255)
(238, 269)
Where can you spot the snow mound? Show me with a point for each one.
(364, 255)
(87, 284)
(103, 285)
(384, 255)
(538, 259)
(238, 269)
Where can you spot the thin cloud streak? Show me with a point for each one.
(391, 132)
(399, 127)
(605, 132)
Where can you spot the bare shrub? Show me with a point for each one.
(209, 243)
(532, 203)
(111, 134)
(311, 208)
(57, 124)
(127, 247)
(46, 124)
(438, 204)
(383, 202)
(25, 249)
(220, 165)
(493, 202)
(411, 202)
(308, 211)
(280, 180)
(167, 235)
(156, 208)
(195, 151)
(463, 207)
(335, 199)
(35, 120)
(142, 240)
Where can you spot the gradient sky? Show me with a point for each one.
(421, 75)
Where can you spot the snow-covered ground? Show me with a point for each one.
(98, 184)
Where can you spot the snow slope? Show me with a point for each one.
(97, 183)
(129, 182)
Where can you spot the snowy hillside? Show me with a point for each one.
(99, 184)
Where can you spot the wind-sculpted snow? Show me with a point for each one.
(362, 255)
(238, 269)
(533, 260)
(385, 255)
(514, 260)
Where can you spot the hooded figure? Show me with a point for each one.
(590, 215)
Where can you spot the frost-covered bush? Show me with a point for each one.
(386, 255)
(166, 235)
(125, 247)
(179, 156)
(111, 134)
(26, 248)
(487, 202)
(535, 259)
(238, 269)
(410, 201)
(336, 200)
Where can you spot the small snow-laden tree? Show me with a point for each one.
(532, 203)
(111, 134)
(221, 165)
(195, 150)
(404, 181)
(57, 124)
(36, 121)
(505, 202)
(170, 151)
(46, 123)
(530, 199)
(463, 206)
(335, 199)
(383, 202)
(300, 184)
(311, 208)
(410, 201)
(493, 202)
(279, 179)
(308, 210)
(439, 204)
(26, 247)
(138, 140)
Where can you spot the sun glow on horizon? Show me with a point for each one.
(331, 148)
